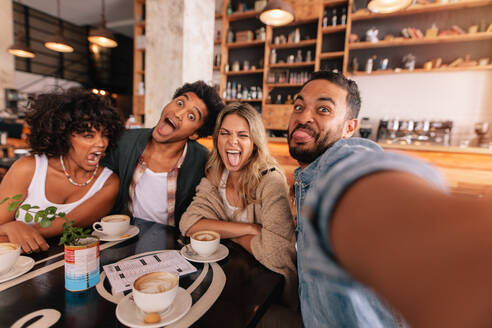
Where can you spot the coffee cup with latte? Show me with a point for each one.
(205, 242)
(113, 225)
(156, 291)
(9, 253)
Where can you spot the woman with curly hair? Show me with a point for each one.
(70, 132)
(243, 195)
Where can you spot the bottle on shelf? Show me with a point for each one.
(239, 91)
(343, 18)
(279, 99)
(233, 91)
(297, 35)
(259, 93)
(229, 9)
(334, 17)
(228, 90)
(299, 56)
(325, 18)
(230, 36)
(273, 57)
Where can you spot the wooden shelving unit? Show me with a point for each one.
(244, 44)
(330, 55)
(251, 71)
(420, 9)
(240, 16)
(300, 44)
(422, 41)
(421, 70)
(246, 100)
(333, 29)
(138, 102)
(287, 65)
(283, 85)
(330, 47)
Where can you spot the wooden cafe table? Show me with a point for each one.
(233, 292)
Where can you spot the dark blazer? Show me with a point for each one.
(123, 158)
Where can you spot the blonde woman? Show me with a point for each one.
(244, 195)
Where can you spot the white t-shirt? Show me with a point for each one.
(150, 201)
(242, 216)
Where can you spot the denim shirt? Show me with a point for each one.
(329, 296)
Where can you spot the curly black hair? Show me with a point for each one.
(211, 99)
(54, 117)
(353, 95)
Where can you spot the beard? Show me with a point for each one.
(321, 144)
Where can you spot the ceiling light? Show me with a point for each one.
(19, 49)
(101, 35)
(277, 13)
(58, 42)
(388, 6)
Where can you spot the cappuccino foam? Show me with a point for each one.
(205, 237)
(114, 219)
(154, 285)
(4, 249)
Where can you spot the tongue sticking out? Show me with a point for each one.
(301, 136)
(166, 128)
(233, 159)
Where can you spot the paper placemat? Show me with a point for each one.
(121, 275)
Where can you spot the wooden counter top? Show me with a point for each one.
(438, 148)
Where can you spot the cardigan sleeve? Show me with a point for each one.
(274, 247)
(206, 204)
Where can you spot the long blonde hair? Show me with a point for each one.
(259, 161)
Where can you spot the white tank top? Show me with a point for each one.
(36, 191)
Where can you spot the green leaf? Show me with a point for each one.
(37, 216)
(17, 214)
(25, 207)
(34, 207)
(4, 200)
(13, 205)
(50, 210)
(18, 196)
(28, 217)
(45, 222)
(62, 214)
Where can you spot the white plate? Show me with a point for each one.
(128, 313)
(23, 264)
(131, 232)
(189, 254)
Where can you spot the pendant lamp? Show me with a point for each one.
(277, 13)
(58, 42)
(20, 49)
(102, 36)
(388, 6)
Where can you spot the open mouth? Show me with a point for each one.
(95, 157)
(167, 126)
(234, 157)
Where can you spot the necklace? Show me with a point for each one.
(70, 178)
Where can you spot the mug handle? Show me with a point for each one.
(94, 226)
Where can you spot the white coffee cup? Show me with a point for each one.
(205, 242)
(156, 291)
(113, 225)
(9, 253)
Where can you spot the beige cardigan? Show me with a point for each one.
(274, 247)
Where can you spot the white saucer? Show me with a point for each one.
(128, 313)
(188, 253)
(131, 232)
(23, 264)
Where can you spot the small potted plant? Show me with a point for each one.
(81, 248)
